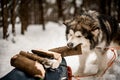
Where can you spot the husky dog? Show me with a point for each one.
(92, 30)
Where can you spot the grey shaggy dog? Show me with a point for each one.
(95, 32)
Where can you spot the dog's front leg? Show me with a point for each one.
(102, 60)
(91, 65)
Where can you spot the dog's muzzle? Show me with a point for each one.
(70, 45)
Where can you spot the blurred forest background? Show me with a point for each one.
(34, 24)
(42, 11)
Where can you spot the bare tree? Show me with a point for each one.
(75, 7)
(42, 13)
(59, 4)
(23, 12)
(13, 15)
(5, 18)
(118, 10)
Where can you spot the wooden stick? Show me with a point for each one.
(64, 51)
(53, 63)
(27, 65)
(47, 54)
(35, 57)
(28, 62)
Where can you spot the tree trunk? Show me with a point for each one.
(103, 6)
(75, 7)
(42, 13)
(60, 14)
(5, 18)
(13, 16)
(24, 15)
(108, 3)
(118, 10)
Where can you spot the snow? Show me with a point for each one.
(51, 1)
(72, 9)
(49, 11)
(34, 38)
(79, 2)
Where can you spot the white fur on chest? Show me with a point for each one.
(91, 66)
(74, 63)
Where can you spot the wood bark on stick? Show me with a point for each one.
(48, 63)
(35, 57)
(27, 65)
(47, 54)
(64, 51)
(33, 64)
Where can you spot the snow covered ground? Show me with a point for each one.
(34, 38)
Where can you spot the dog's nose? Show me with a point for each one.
(70, 45)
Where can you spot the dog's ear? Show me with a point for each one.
(69, 22)
(95, 31)
(66, 22)
(93, 13)
(83, 11)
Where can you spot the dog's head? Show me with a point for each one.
(83, 29)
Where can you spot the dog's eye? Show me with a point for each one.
(86, 37)
(78, 36)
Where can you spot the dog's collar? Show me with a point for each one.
(106, 48)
